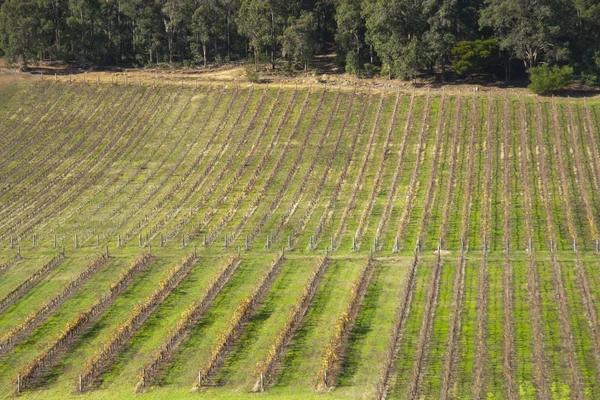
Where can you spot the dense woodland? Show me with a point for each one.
(448, 39)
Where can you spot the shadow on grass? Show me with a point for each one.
(288, 373)
(363, 326)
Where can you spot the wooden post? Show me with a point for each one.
(98, 79)
(143, 377)
(199, 378)
(80, 383)
(12, 245)
(18, 383)
(118, 241)
(396, 245)
(262, 382)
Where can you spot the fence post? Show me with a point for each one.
(19, 383)
(262, 382)
(80, 383)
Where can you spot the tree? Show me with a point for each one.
(175, 15)
(350, 26)
(253, 22)
(525, 28)
(473, 56)
(144, 20)
(19, 30)
(300, 39)
(395, 29)
(204, 24)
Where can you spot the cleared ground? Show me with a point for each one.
(435, 246)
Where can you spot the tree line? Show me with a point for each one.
(397, 38)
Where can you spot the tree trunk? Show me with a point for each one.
(256, 58)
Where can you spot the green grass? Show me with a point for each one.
(106, 160)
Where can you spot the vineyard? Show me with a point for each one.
(232, 241)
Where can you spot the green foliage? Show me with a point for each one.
(472, 56)
(369, 69)
(352, 63)
(252, 73)
(300, 39)
(546, 79)
(19, 30)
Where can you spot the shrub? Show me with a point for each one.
(471, 57)
(369, 70)
(251, 73)
(546, 79)
(352, 63)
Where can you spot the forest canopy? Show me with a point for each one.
(448, 39)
